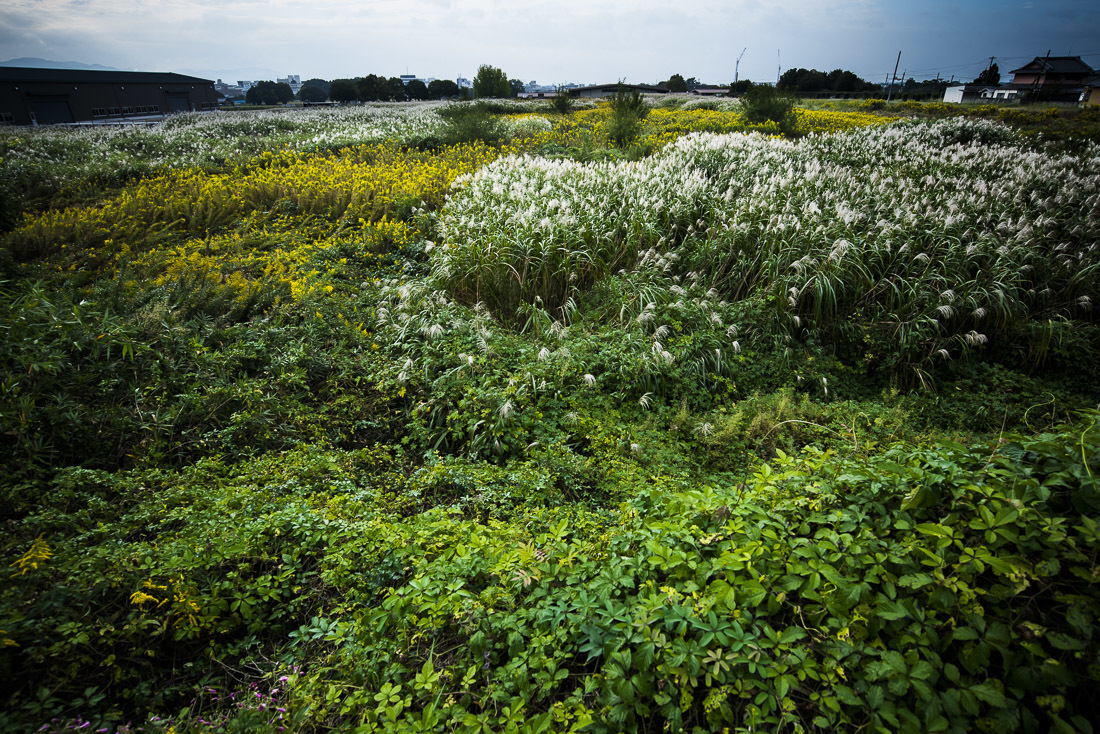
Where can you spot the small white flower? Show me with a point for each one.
(589, 380)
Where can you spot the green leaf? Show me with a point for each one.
(847, 695)
(791, 634)
(923, 670)
(989, 693)
(1063, 641)
(891, 610)
(895, 661)
(915, 580)
(875, 697)
(931, 528)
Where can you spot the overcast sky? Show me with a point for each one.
(550, 42)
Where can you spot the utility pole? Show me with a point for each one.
(1040, 78)
(778, 67)
(890, 93)
(737, 65)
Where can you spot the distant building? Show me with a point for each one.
(1090, 94)
(709, 90)
(294, 81)
(977, 93)
(59, 96)
(1053, 78)
(1049, 79)
(609, 90)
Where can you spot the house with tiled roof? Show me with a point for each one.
(1051, 79)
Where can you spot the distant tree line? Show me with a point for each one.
(812, 80)
(269, 93)
(794, 81)
(374, 88)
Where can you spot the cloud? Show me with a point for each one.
(569, 40)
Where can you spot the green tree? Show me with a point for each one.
(515, 87)
(395, 90)
(416, 89)
(321, 84)
(442, 89)
(312, 94)
(740, 87)
(465, 122)
(268, 92)
(343, 90)
(676, 83)
(762, 103)
(562, 102)
(371, 88)
(628, 109)
(491, 82)
(992, 75)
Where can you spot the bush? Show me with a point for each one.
(562, 102)
(628, 109)
(466, 122)
(763, 103)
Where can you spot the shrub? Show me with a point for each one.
(466, 122)
(562, 102)
(763, 103)
(628, 109)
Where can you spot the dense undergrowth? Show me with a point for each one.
(316, 422)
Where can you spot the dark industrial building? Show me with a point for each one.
(58, 96)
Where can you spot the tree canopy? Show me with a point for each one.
(442, 89)
(343, 90)
(992, 75)
(268, 92)
(676, 83)
(312, 93)
(416, 89)
(812, 80)
(491, 82)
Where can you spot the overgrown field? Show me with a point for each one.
(384, 419)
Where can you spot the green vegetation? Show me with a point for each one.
(364, 420)
(762, 103)
(491, 82)
(628, 109)
(467, 122)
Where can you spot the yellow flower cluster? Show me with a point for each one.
(184, 607)
(662, 126)
(271, 223)
(38, 553)
(829, 121)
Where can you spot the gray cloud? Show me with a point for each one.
(569, 40)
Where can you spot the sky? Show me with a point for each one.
(579, 41)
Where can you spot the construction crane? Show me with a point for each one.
(737, 65)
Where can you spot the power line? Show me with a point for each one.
(975, 64)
